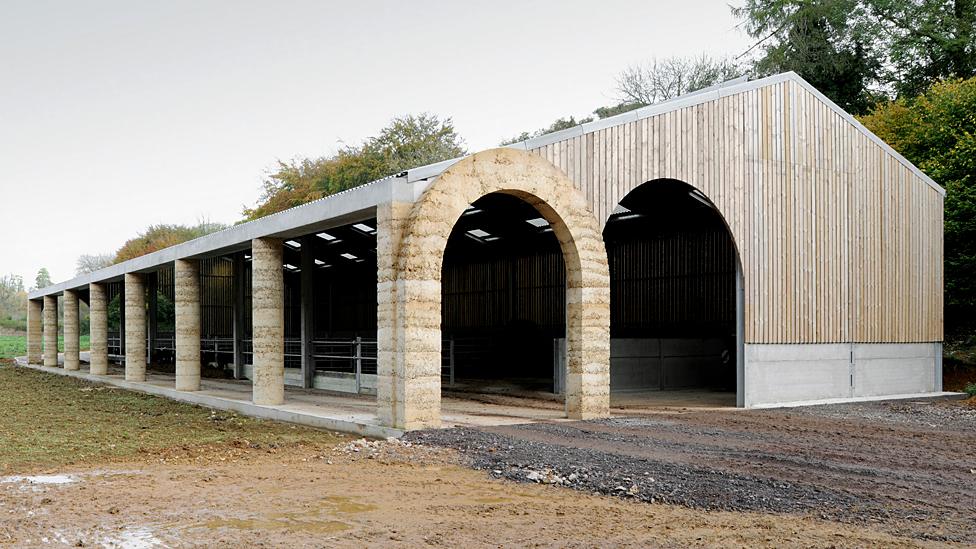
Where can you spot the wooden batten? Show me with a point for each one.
(840, 241)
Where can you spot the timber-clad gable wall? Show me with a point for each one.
(839, 240)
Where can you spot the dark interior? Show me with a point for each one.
(672, 273)
(504, 294)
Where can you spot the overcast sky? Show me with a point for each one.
(115, 115)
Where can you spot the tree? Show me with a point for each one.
(157, 237)
(662, 79)
(646, 84)
(408, 142)
(13, 302)
(291, 184)
(412, 141)
(937, 132)
(11, 286)
(559, 124)
(89, 263)
(827, 43)
(858, 52)
(614, 110)
(43, 278)
(927, 41)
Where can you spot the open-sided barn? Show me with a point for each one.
(751, 240)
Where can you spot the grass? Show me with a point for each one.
(50, 420)
(16, 345)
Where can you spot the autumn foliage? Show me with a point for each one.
(408, 142)
(157, 237)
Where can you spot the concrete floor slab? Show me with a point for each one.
(631, 401)
(346, 413)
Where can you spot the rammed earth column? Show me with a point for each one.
(35, 330)
(71, 333)
(135, 327)
(390, 375)
(50, 330)
(268, 322)
(98, 346)
(187, 293)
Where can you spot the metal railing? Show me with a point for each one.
(447, 361)
(357, 356)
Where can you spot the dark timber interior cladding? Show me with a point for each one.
(503, 292)
(345, 302)
(113, 296)
(216, 298)
(672, 291)
(340, 266)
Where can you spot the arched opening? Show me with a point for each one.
(411, 354)
(503, 300)
(675, 311)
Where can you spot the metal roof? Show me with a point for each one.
(731, 87)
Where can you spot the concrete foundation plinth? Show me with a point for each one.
(98, 310)
(35, 331)
(135, 327)
(51, 330)
(186, 289)
(72, 347)
(268, 322)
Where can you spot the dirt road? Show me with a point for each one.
(908, 468)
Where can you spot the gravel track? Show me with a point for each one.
(908, 467)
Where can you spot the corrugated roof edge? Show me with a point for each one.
(724, 89)
(232, 236)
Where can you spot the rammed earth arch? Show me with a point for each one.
(414, 387)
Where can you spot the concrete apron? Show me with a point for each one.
(320, 416)
(355, 415)
(335, 412)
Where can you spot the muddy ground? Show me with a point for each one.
(359, 493)
(905, 467)
(90, 466)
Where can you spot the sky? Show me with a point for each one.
(115, 115)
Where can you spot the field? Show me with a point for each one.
(16, 345)
(88, 465)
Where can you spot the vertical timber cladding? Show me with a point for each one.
(216, 299)
(839, 240)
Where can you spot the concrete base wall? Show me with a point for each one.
(642, 364)
(892, 368)
(329, 381)
(668, 363)
(789, 373)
